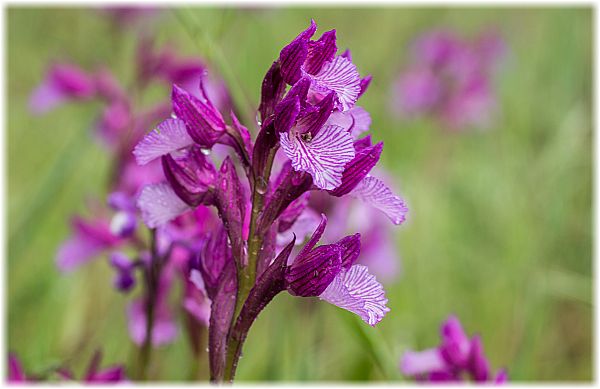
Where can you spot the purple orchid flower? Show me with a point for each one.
(450, 79)
(244, 262)
(64, 82)
(457, 357)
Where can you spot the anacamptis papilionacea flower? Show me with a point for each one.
(308, 112)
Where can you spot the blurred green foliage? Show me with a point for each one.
(499, 230)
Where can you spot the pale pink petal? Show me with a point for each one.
(359, 292)
(159, 204)
(324, 157)
(197, 280)
(356, 120)
(303, 227)
(46, 97)
(374, 192)
(421, 362)
(200, 310)
(169, 136)
(164, 329)
(340, 76)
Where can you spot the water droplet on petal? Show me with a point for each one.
(205, 151)
(173, 115)
(261, 185)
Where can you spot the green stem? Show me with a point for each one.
(247, 274)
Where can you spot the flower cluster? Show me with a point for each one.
(456, 359)
(308, 111)
(450, 79)
(115, 227)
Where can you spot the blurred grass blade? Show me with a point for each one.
(374, 343)
(213, 54)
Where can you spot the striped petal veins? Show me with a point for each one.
(323, 157)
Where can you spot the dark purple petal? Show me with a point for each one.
(362, 143)
(364, 84)
(273, 88)
(293, 56)
(191, 176)
(320, 52)
(204, 123)
(170, 135)
(312, 272)
(266, 140)
(221, 315)
(359, 292)
(215, 255)
(300, 89)
(231, 203)
(350, 246)
(357, 169)
(314, 120)
(286, 113)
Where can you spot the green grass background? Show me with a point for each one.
(499, 230)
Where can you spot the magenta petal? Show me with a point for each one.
(479, 365)
(321, 51)
(160, 204)
(374, 192)
(501, 377)
(421, 362)
(169, 136)
(292, 56)
(359, 292)
(272, 90)
(15, 370)
(350, 249)
(341, 77)
(323, 156)
(45, 98)
(357, 169)
(204, 123)
(312, 272)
